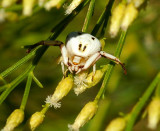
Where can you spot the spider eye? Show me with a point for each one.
(80, 45)
(93, 38)
(84, 48)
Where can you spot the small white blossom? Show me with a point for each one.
(63, 88)
(53, 102)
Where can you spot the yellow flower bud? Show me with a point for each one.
(72, 6)
(28, 6)
(116, 19)
(153, 113)
(35, 120)
(50, 4)
(117, 124)
(84, 116)
(89, 81)
(62, 90)
(14, 120)
(130, 14)
(7, 3)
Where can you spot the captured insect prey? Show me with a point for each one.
(80, 52)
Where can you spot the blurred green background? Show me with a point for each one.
(141, 55)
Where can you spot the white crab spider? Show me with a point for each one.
(81, 51)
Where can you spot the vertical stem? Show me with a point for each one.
(26, 92)
(88, 16)
(111, 66)
(139, 106)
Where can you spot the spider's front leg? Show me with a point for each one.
(46, 43)
(111, 57)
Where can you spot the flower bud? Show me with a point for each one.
(137, 3)
(62, 90)
(116, 19)
(41, 2)
(28, 6)
(153, 113)
(89, 81)
(84, 116)
(72, 6)
(50, 4)
(14, 120)
(117, 124)
(35, 120)
(7, 3)
(130, 14)
(2, 18)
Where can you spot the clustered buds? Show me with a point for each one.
(14, 120)
(35, 120)
(116, 19)
(130, 14)
(153, 111)
(64, 86)
(123, 15)
(83, 81)
(118, 124)
(84, 116)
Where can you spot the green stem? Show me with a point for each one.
(14, 83)
(26, 92)
(45, 108)
(37, 81)
(88, 16)
(111, 66)
(105, 14)
(18, 64)
(157, 92)
(142, 101)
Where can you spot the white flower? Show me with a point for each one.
(53, 102)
